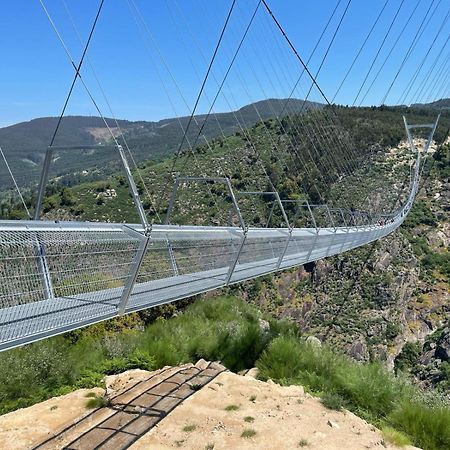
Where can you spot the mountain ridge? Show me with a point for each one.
(24, 143)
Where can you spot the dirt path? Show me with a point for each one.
(135, 407)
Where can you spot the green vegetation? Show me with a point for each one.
(303, 443)
(91, 395)
(333, 401)
(232, 407)
(442, 161)
(407, 357)
(248, 433)
(98, 401)
(368, 389)
(225, 329)
(249, 419)
(421, 214)
(395, 437)
(439, 262)
(189, 428)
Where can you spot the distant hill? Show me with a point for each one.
(24, 143)
(443, 103)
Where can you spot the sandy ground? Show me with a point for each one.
(283, 417)
(25, 428)
(280, 417)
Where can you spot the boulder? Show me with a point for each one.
(264, 325)
(358, 351)
(443, 346)
(253, 373)
(313, 341)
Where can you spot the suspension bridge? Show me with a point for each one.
(57, 276)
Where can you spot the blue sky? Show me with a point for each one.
(35, 73)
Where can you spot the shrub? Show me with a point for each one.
(395, 437)
(369, 389)
(333, 401)
(407, 357)
(99, 401)
(428, 426)
(281, 361)
(248, 433)
(232, 408)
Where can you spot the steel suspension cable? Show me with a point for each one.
(234, 110)
(436, 80)
(76, 67)
(108, 103)
(413, 79)
(299, 114)
(360, 51)
(260, 120)
(316, 76)
(137, 16)
(15, 184)
(194, 109)
(291, 137)
(295, 52)
(431, 70)
(386, 35)
(312, 52)
(383, 64)
(416, 37)
(227, 72)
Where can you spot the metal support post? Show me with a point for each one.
(235, 203)
(312, 216)
(135, 266)
(343, 217)
(283, 212)
(43, 182)
(270, 214)
(39, 249)
(230, 217)
(44, 271)
(331, 219)
(133, 188)
(173, 261)
(236, 260)
(172, 200)
(280, 259)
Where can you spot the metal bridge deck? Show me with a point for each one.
(90, 265)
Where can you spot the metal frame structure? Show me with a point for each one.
(46, 168)
(223, 180)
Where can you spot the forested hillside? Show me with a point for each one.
(24, 144)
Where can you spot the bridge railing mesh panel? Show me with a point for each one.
(51, 279)
(21, 282)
